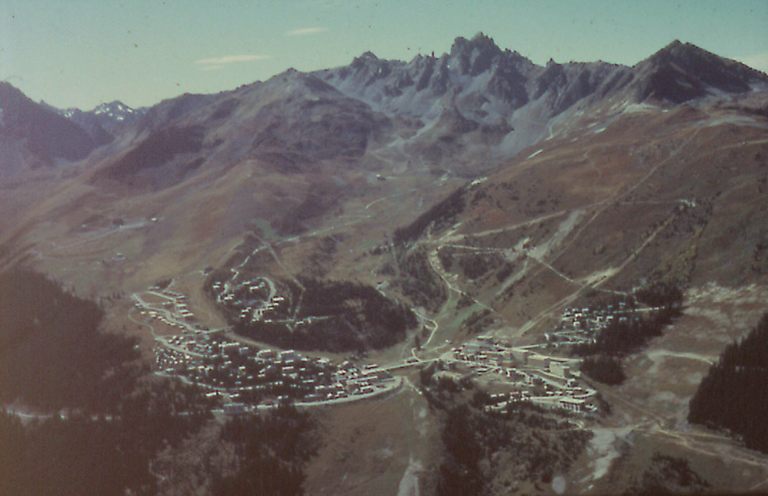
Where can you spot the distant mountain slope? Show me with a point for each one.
(292, 121)
(681, 72)
(33, 135)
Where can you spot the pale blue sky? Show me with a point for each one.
(83, 52)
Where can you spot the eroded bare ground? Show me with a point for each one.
(649, 411)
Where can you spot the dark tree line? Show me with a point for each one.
(668, 475)
(622, 337)
(477, 442)
(473, 440)
(460, 472)
(660, 295)
(53, 356)
(472, 265)
(734, 393)
(418, 282)
(157, 150)
(272, 452)
(605, 369)
(73, 457)
(105, 455)
(52, 353)
(352, 317)
(476, 266)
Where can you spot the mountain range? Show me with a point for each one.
(475, 93)
(479, 189)
(455, 117)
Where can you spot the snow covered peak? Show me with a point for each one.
(116, 110)
(104, 121)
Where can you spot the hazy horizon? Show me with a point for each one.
(143, 53)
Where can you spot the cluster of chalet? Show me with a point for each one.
(173, 311)
(265, 377)
(485, 354)
(244, 376)
(263, 312)
(199, 344)
(153, 314)
(581, 325)
(253, 300)
(350, 379)
(170, 361)
(181, 307)
(544, 380)
(501, 402)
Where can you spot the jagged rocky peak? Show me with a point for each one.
(367, 55)
(309, 83)
(685, 55)
(366, 69)
(367, 60)
(480, 42)
(680, 50)
(476, 55)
